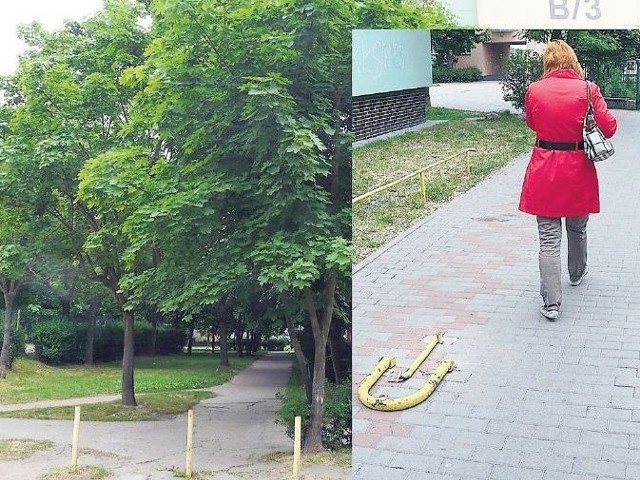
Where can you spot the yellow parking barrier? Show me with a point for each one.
(421, 173)
(388, 404)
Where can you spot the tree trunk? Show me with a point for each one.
(224, 344)
(91, 329)
(303, 362)
(313, 436)
(238, 334)
(5, 353)
(69, 284)
(154, 332)
(320, 327)
(65, 303)
(128, 394)
(192, 327)
(451, 59)
(428, 98)
(557, 35)
(255, 341)
(247, 343)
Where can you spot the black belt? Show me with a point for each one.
(560, 145)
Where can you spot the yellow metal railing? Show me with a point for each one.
(421, 173)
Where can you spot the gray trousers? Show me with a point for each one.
(550, 231)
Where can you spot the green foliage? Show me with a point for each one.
(449, 44)
(17, 347)
(336, 429)
(617, 86)
(595, 46)
(108, 345)
(14, 259)
(61, 341)
(522, 68)
(444, 74)
(274, 344)
(336, 425)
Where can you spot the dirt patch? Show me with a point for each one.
(87, 472)
(19, 449)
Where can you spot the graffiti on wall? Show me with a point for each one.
(390, 60)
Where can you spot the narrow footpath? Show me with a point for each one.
(233, 432)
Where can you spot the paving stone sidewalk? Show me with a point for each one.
(531, 398)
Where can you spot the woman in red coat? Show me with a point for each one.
(560, 180)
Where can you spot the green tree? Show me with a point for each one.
(522, 68)
(17, 256)
(593, 46)
(449, 44)
(68, 108)
(251, 177)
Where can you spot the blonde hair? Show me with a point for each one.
(558, 54)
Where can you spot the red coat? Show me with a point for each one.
(560, 183)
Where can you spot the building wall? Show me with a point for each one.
(381, 113)
(489, 56)
(391, 71)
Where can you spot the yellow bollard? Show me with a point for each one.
(76, 438)
(408, 373)
(387, 404)
(423, 187)
(297, 446)
(189, 466)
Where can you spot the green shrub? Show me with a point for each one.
(522, 68)
(336, 426)
(170, 340)
(443, 74)
(109, 341)
(59, 340)
(294, 404)
(275, 344)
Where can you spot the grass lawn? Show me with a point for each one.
(340, 457)
(29, 380)
(151, 406)
(378, 219)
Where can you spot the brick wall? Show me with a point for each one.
(380, 113)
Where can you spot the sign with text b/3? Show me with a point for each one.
(559, 14)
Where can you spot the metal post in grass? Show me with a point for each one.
(76, 438)
(189, 467)
(297, 447)
(637, 83)
(423, 187)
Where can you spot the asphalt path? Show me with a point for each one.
(233, 432)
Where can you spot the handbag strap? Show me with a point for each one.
(589, 122)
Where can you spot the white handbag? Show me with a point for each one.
(596, 145)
